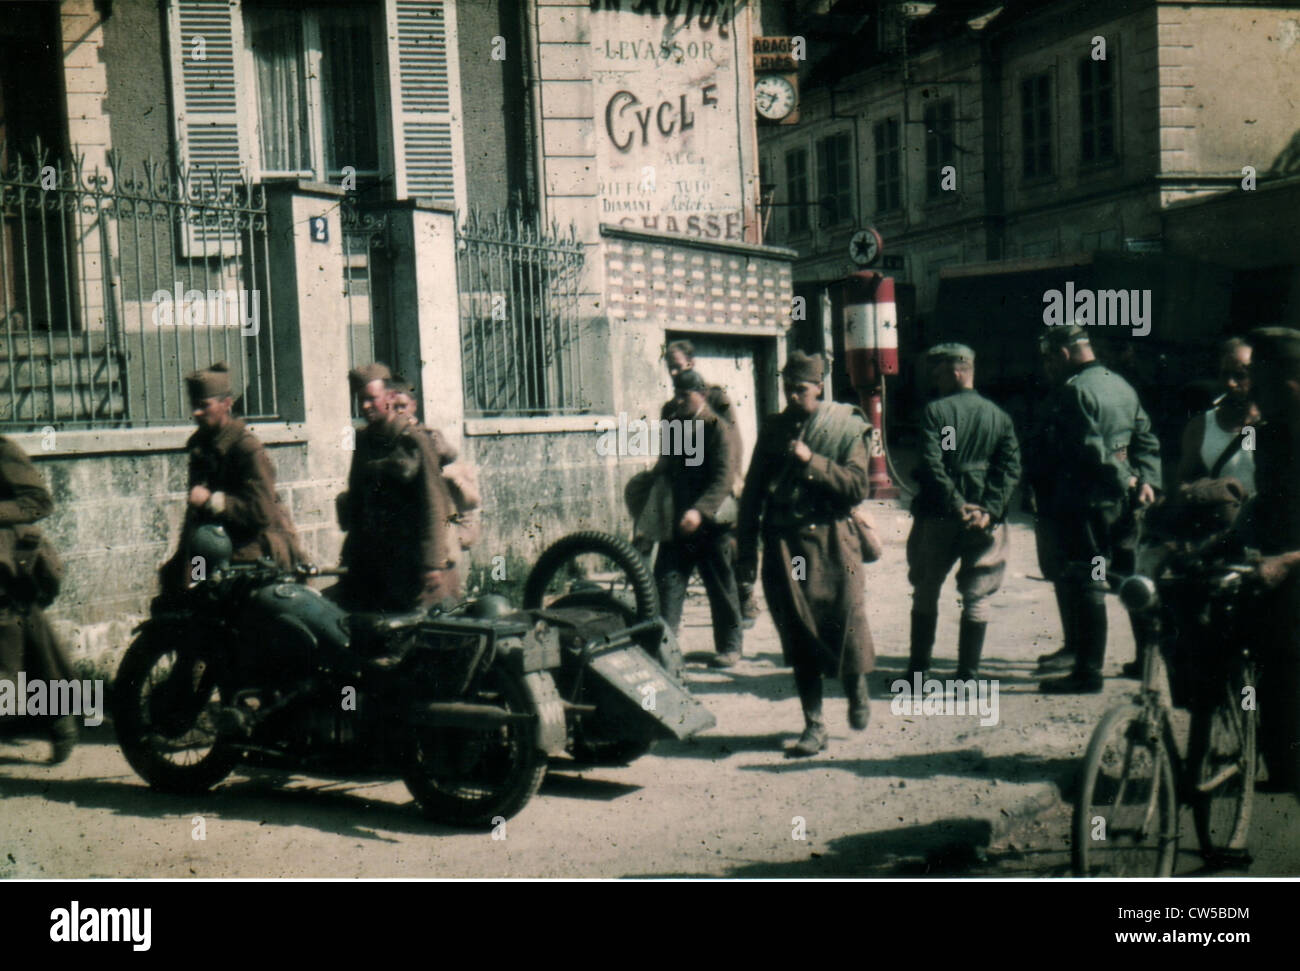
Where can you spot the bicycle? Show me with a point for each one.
(1135, 780)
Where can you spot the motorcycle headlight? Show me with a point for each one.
(1139, 593)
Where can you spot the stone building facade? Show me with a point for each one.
(360, 139)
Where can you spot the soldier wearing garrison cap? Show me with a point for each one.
(1275, 376)
(808, 472)
(970, 464)
(231, 482)
(396, 509)
(1093, 463)
(680, 357)
(704, 512)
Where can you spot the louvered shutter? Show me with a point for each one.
(425, 82)
(204, 92)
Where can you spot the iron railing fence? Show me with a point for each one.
(521, 339)
(114, 284)
(367, 286)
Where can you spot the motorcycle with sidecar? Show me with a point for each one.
(252, 665)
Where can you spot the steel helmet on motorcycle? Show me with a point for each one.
(490, 606)
(211, 542)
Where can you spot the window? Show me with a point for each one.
(888, 166)
(1036, 126)
(316, 89)
(796, 190)
(835, 179)
(1096, 111)
(940, 146)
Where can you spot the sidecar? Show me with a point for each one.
(599, 675)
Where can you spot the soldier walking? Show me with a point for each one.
(1094, 463)
(680, 356)
(701, 493)
(808, 472)
(970, 464)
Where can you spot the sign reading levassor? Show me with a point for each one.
(669, 132)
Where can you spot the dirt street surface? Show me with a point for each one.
(913, 795)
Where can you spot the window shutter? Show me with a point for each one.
(204, 93)
(425, 82)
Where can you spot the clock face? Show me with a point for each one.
(864, 247)
(774, 97)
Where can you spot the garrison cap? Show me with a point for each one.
(401, 384)
(801, 367)
(1274, 345)
(359, 377)
(689, 380)
(950, 353)
(212, 382)
(1062, 335)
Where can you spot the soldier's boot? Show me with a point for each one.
(1063, 660)
(855, 689)
(918, 662)
(970, 647)
(815, 737)
(63, 735)
(1086, 676)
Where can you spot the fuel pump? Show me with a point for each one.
(871, 352)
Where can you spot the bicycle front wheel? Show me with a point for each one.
(1222, 757)
(1126, 812)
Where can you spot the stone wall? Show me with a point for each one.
(117, 518)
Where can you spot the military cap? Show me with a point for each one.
(399, 383)
(359, 377)
(950, 353)
(689, 380)
(212, 382)
(1062, 335)
(801, 367)
(1275, 345)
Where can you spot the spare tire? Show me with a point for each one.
(605, 544)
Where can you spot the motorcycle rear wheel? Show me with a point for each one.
(164, 695)
(475, 777)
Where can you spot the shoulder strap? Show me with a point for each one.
(1234, 445)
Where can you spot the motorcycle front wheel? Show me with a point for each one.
(165, 694)
(479, 776)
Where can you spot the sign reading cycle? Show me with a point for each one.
(669, 136)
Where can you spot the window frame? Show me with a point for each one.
(309, 18)
(1091, 98)
(888, 176)
(1042, 122)
(935, 140)
(843, 196)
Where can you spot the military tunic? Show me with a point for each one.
(981, 468)
(705, 487)
(27, 642)
(396, 512)
(1096, 437)
(234, 464)
(812, 559)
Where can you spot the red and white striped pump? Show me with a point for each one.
(871, 352)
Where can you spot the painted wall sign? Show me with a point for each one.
(774, 54)
(667, 81)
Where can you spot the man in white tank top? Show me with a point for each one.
(1209, 436)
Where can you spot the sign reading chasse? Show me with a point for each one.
(669, 127)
